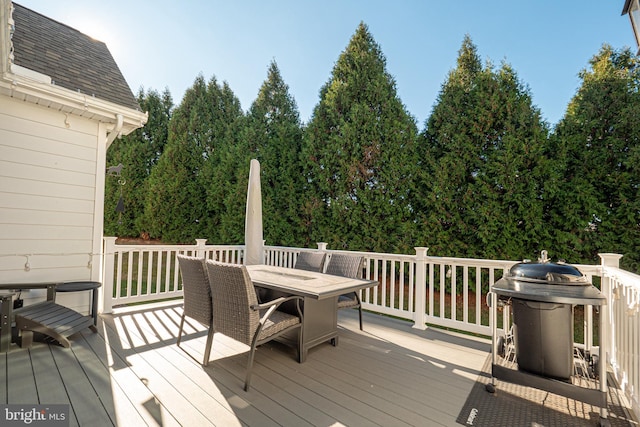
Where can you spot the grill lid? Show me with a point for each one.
(546, 281)
(544, 271)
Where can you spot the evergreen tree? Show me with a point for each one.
(596, 146)
(273, 136)
(176, 204)
(358, 156)
(138, 152)
(225, 222)
(482, 166)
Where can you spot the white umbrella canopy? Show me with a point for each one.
(253, 237)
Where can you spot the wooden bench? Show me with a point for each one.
(51, 319)
(48, 318)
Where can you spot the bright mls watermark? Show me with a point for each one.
(34, 415)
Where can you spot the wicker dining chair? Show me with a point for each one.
(311, 261)
(238, 315)
(197, 298)
(347, 266)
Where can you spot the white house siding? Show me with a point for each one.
(48, 211)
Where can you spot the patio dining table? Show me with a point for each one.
(320, 292)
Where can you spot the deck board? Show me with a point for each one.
(132, 373)
(161, 401)
(87, 404)
(20, 377)
(127, 390)
(47, 377)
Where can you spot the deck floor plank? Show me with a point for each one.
(173, 367)
(110, 392)
(131, 397)
(87, 404)
(370, 408)
(371, 382)
(21, 382)
(48, 377)
(402, 373)
(132, 374)
(366, 381)
(222, 348)
(166, 398)
(330, 397)
(92, 355)
(136, 387)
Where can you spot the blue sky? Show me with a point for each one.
(166, 44)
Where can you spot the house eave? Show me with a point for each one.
(23, 85)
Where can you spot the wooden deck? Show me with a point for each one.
(131, 373)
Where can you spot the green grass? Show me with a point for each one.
(472, 310)
(140, 276)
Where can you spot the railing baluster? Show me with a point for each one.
(407, 290)
(465, 294)
(129, 273)
(167, 272)
(118, 286)
(386, 282)
(411, 285)
(401, 285)
(376, 276)
(443, 290)
(432, 288)
(478, 294)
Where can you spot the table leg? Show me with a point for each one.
(94, 308)
(5, 322)
(320, 323)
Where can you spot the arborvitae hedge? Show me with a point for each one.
(486, 178)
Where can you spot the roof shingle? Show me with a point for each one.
(72, 59)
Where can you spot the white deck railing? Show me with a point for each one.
(623, 325)
(442, 291)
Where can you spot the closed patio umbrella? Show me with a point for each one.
(253, 239)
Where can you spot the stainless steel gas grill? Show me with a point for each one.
(539, 350)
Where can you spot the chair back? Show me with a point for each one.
(233, 295)
(196, 289)
(345, 265)
(311, 261)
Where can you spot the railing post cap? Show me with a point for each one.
(610, 259)
(421, 250)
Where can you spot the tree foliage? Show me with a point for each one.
(482, 165)
(176, 205)
(357, 155)
(596, 144)
(273, 136)
(485, 178)
(138, 152)
(222, 222)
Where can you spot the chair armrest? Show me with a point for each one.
(274, 304)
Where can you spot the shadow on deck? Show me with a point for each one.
(131, 373)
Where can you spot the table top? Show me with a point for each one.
(305, 283)
(38, 285)
(59, 286)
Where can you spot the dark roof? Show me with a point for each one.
(73, 60)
